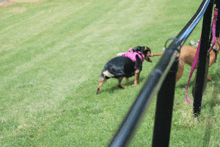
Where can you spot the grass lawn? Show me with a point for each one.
(51, 57)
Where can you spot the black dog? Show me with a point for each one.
(127, 65)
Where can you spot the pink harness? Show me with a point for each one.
(132, 55)
(197, 52)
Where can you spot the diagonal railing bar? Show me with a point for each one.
(154, 81)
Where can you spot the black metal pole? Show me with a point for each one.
(164, 109)
(218, 18)
(201, 75)
(154, 82)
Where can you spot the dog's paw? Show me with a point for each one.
(121, 86)
(134, 84)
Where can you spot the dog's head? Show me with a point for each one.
(147, 53)
(145, 50)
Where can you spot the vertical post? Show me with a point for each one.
(201, 75)
(218, 19)
(164, 108)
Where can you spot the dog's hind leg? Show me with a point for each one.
(180, 70)
(101, 81)
(127, 80)
(209, 78)
(119, 83)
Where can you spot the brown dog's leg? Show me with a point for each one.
(209, 78)
(180, 69)
(211, 58)
(119, 83)
(101, 81)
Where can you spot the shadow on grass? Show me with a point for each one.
(132, 81)
(212, 103)
(115, 87)
(183, 85)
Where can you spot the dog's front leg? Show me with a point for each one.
(136, 78)
(119, 83)
(159, 54)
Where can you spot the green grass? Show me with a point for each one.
(51, 56)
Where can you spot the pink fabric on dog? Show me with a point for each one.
(132, 55)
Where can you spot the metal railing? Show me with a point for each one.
(163, 79)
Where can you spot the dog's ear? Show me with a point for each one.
(145, 50)
(148, 49)
(138, 48)
(142, 49)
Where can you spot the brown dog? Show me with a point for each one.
(187, 55)
(127, 65)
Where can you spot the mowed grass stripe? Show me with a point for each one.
(40, 56)
(35, 71)
(53, 36)
(30, 27)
